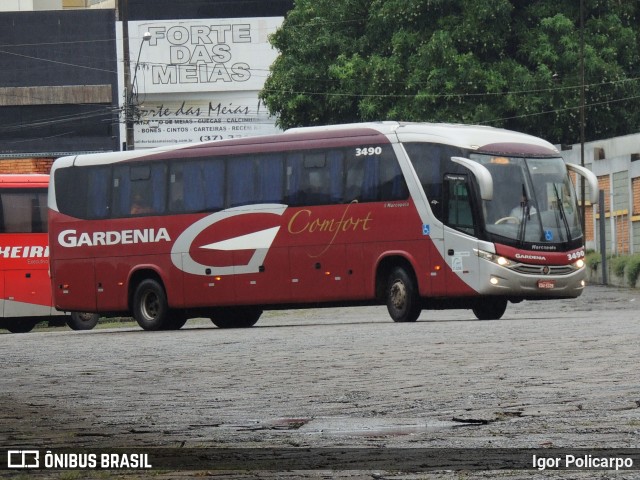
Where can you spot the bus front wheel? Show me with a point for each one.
(82, 320)
(490, 309)
(403, 300)
(21, 325)
(150, 306)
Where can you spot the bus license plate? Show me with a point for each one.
(547, 284)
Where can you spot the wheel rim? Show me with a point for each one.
(150, 306)
(398, 295)
(85, 317)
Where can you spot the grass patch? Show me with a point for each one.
(633, 269)
(618, 265)
(593, 260)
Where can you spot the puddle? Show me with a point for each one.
(276, 424)
(373, 427)
(358, 427)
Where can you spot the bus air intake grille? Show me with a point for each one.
(543, 269)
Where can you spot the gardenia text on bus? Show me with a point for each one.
(70, 238)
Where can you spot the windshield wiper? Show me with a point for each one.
(525, 215)
(562, 213)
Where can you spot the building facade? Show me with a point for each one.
(58, 83)
(616, 163)
(63, 89)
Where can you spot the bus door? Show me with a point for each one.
(460, 235)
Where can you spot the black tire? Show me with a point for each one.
(176, 321)
(490, 309)
(236, 317)
(82, 320)
(150, 306)
(403, 299)
(21, 325)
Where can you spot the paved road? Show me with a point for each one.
(549, 374)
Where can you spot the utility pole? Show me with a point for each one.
(582, 120)
(123, 16)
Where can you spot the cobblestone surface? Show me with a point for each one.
(549, 374)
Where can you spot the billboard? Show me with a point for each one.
(201, 117)
(198, 80)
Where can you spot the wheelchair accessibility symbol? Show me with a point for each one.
(548, 235)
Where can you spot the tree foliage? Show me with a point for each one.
(507, 63)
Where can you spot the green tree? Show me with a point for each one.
(506, 63)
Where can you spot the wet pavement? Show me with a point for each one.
(556, 374)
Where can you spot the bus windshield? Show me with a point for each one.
(534, 200)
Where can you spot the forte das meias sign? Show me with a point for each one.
(198, 80)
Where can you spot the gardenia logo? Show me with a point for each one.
(530, 257)
(71, 238)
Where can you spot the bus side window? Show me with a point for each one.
(39, 213)
(178, 201)
(197, 186)
(98, 180)
(17, 214)
(458, 203)
(241, 181)
(354, 180)
(335, 161)
(321, 177)
(376, 177)
(23, 211)
(392, 183)
(72, 191)
(293, 173)
(429, 161)
(315, 179)
(158, 188)
(139, 189)
(270, 178)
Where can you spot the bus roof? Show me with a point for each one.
(24, 179)
(472, 137)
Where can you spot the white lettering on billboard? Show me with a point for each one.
(199, 80)
(200, 55)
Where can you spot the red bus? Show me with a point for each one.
(414, 216)
(25, 287)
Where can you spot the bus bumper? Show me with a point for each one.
(497, 280)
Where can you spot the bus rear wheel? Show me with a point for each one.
(176, 321)
(490, 309)
(82, 320)
(150, 306)
(403, 300)
(236, 317)
(21, 325)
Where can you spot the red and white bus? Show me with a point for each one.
(417, 216)
(25, 287)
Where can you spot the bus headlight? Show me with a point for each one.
(578, 264)
(503, 262)
(492, 257)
